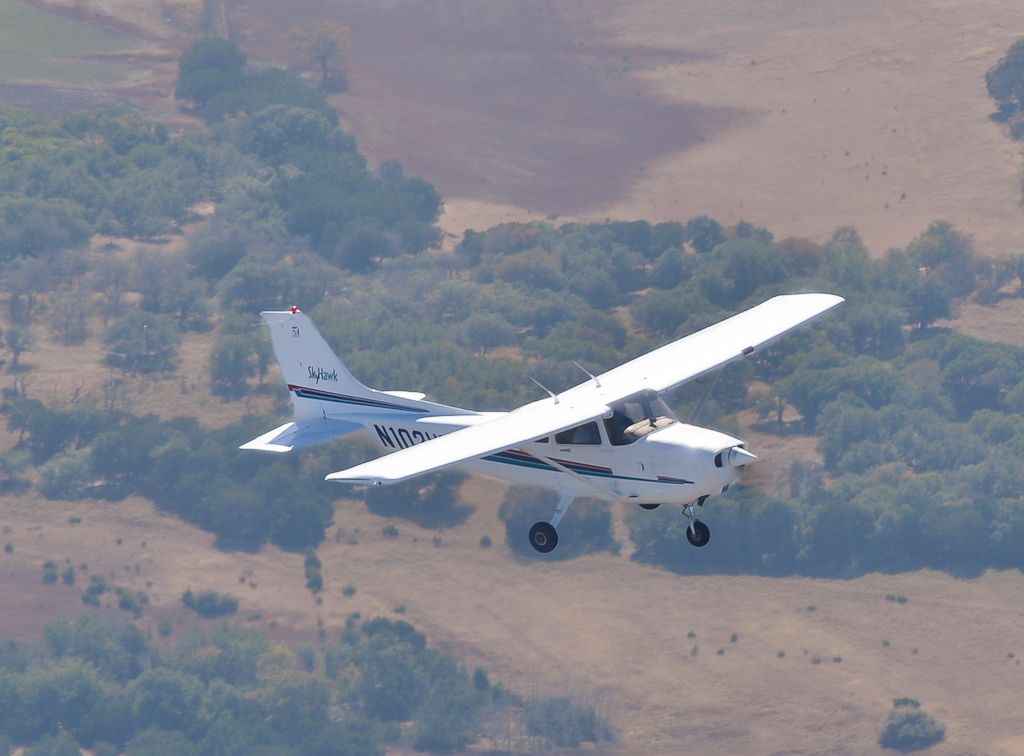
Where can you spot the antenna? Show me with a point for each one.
(550, 392)
(592, 376)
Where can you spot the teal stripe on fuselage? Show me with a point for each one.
(540, 465)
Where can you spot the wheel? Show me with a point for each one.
(649, 506)
(698, 534)
(543, 537)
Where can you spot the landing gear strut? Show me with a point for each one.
(698, 534)
(543, 535)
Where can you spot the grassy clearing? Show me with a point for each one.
(37, 45)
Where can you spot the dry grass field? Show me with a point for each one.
(602, 628)
(1003, 322)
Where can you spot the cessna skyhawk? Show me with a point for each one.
(611, 437)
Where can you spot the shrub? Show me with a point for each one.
(389, 531)
(485, 542)
(131, 602)
(910, 728)
(480, 680)
(49, 572)
(97, 587)
(314, 577)
(565, 724)
(66, 476)
(210, 603)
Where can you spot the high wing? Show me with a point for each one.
(658, 372)
(714, 347)
(529, 422)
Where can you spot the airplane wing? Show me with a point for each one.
(658, 371)
(714, 347)
(529, 422)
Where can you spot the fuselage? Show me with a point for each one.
(673, 464)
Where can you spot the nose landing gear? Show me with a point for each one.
(698, 534)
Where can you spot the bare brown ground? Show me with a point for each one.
(601, 627)
(855, 107)
(800, 117)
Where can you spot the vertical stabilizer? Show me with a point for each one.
(310, 366)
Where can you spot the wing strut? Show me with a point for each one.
(573, 473)
(706, 394)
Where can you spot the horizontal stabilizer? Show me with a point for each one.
(299, 435)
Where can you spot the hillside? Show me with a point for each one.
(723, 123)
(600, 628)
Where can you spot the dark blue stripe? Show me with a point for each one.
(358, 401)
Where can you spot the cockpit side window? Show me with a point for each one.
(582, 435)
(623, 416)
(631, 421)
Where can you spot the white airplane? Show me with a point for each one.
(611, 437)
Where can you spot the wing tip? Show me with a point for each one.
(342, 476)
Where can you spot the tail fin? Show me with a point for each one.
(325, 395)
(310, 367)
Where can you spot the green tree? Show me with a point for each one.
(166, 699)
(20, 338)
(324, 46)
(704, 233)
(208, 67)
(486, 330)
(1005, 81)
(231, 364)
(142, 342)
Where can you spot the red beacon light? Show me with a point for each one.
(294, 309)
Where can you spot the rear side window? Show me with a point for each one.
(582, 435)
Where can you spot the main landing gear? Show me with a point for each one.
(543, 535)
(698, 534)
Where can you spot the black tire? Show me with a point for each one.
(698, 534)
(543, 537)
(649, 506)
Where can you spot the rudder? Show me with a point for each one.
(308, 364)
